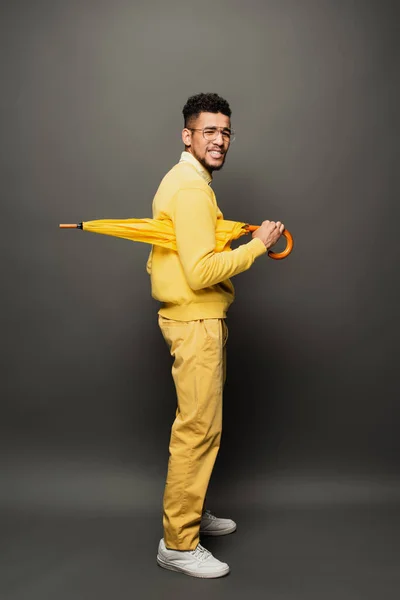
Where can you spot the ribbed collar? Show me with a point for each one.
(188, 157)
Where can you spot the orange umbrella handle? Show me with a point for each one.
(286, 251)
(70, 225)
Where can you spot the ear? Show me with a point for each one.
(186, 137)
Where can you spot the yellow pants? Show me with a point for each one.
(199, 373)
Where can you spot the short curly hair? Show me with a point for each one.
(204, 103)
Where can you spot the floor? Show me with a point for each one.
(346, 553)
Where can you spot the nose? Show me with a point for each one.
(219, 139)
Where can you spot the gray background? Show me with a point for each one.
(91, 102)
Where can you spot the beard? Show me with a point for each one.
(207, 166)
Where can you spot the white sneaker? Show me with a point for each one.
(211, 525)
(197, 563)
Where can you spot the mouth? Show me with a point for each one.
(216, 154)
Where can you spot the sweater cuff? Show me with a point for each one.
(256, 247)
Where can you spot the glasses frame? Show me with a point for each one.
(217, 130)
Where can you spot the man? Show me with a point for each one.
(195, 290)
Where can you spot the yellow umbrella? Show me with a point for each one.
(160, 232)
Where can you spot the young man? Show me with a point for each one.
(195, 290)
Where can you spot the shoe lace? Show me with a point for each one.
(209, 515)
(200, 553)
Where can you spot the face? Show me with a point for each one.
(211, 154)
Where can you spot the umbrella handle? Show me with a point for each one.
(70, 225)
(285, 252)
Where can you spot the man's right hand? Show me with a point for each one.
(269, 232)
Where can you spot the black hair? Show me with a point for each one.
(199, 103)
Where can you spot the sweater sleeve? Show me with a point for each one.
(194, 216)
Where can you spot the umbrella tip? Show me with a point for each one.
(71, 225)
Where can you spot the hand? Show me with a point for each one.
(269, 232)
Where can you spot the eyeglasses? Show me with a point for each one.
(211, 133)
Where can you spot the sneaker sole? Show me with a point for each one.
(170, 567)
(216, 532)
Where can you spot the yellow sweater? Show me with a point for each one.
(193, 283)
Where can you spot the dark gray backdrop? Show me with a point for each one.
(91, 102)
